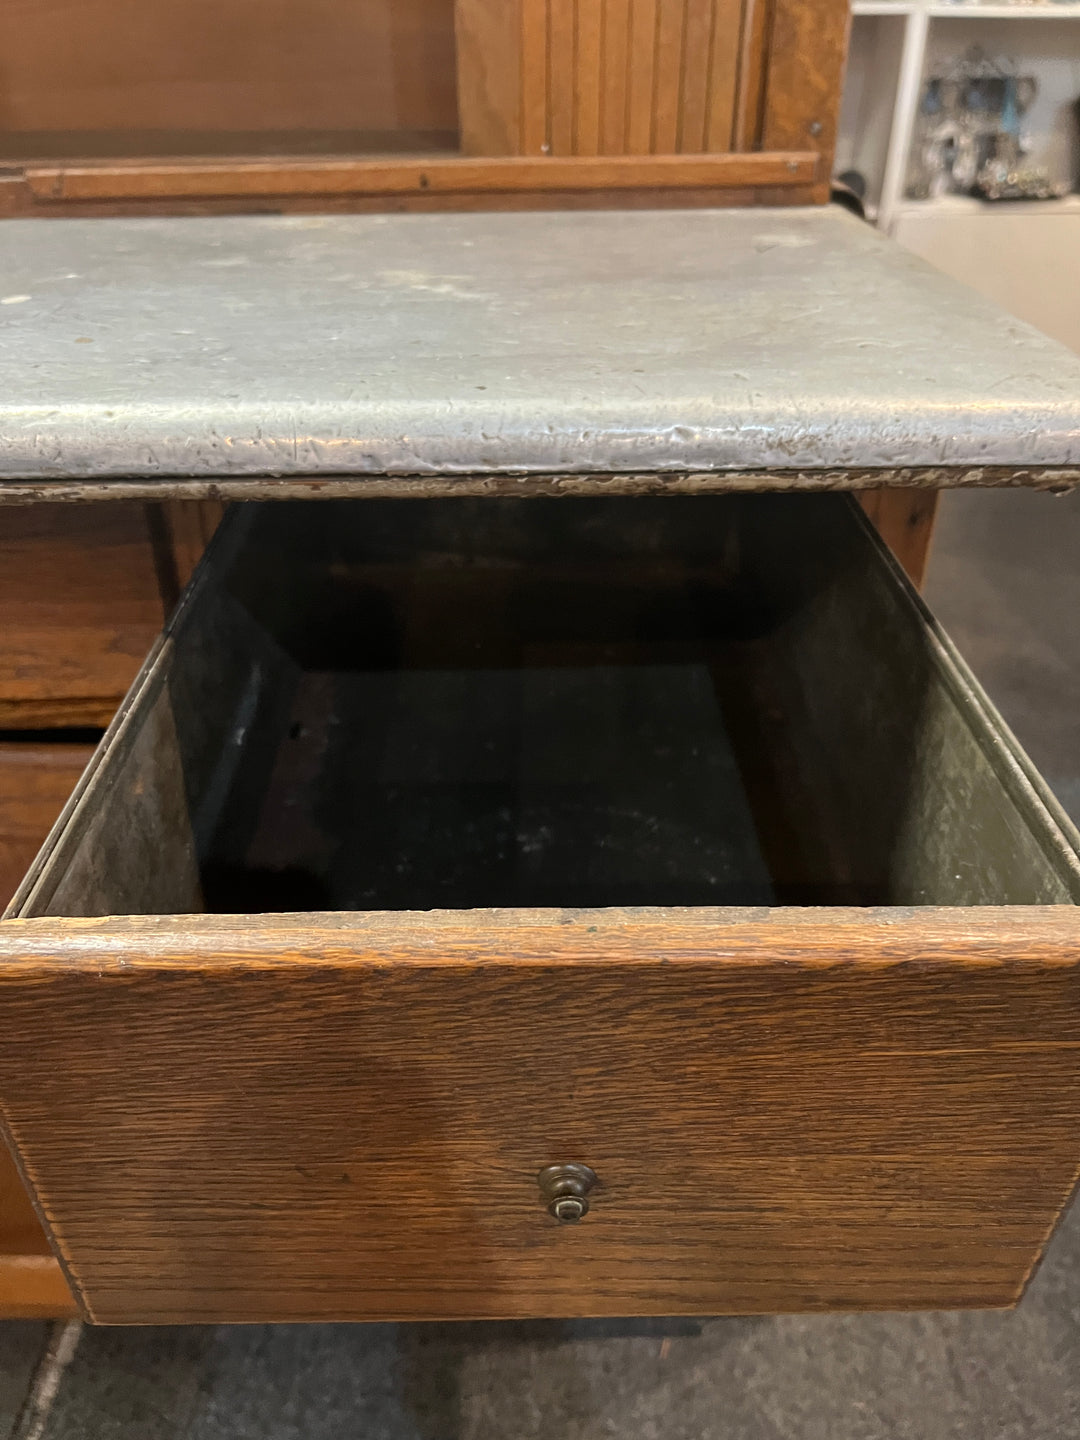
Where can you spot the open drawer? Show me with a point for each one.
(441, 843)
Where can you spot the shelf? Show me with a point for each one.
(1066, 10)
(888, 65)
(971, 205)
(966, 9)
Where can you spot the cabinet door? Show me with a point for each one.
(558, 103)
(649, 77)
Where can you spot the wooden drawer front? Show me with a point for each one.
(345, 1120)
(812, 1021)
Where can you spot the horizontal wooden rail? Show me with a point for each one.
(201, 179)
(32, 1287)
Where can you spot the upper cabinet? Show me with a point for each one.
(112, 106)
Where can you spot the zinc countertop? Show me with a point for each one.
(668, 342)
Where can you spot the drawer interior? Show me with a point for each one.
(617, 701)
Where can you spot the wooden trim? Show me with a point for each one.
(905, 521)
(16, 200)
(488, 34)
(815, 938)
(45, 712)
(437, 175)
(32, 1287)
(79, 606)
(750, 87)
(84, 594)
(588, 77)
(179, 533)
(615, 76)
(531, 63)
(1056, 479)
(806, 49)
(36, 778)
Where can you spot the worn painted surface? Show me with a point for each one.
(542, 344)
(1057, 479)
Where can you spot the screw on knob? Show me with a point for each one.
(564, 1189)
(568, 1209)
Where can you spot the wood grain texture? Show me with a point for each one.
(728, 57)
(644, 19)
(180, 532)
(588, 79)
(489, 76)
(699, 26)
(35, 782)
(671, 62)
(32, 1285)
(534, 63)
(79, 608)
(560, 52)
(905, 521)
(16, 199)
(83, 593)
(342, 1117)
(666, 70)
(293, 98)
(453, 175)
(804, 67)
(20, 1229)
(112, 76)
(614, 61)
(755, 25)
(611, 77)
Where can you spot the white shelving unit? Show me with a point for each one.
(896, 43)
(1024, 254)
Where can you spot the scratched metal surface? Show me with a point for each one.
(549, 343)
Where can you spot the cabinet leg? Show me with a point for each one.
(905, 521)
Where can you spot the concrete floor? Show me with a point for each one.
(1005, 580)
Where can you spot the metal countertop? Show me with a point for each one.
(553, 343)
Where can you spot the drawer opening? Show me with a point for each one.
(714, 700)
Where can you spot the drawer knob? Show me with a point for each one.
(564, 1189)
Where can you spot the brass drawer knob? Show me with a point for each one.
(564, 1189)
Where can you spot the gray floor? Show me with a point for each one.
(1005, 580)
